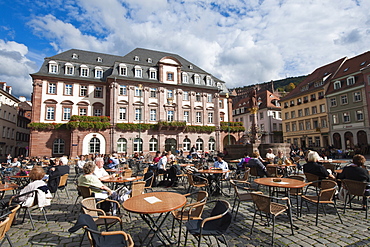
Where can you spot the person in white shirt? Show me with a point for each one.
(220, 163)
(163, 163)
(99, 171)
(270, 156)
(81, 162)
(15, 163)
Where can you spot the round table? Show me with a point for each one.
(287, 183)
(154, 203)
(7, 187)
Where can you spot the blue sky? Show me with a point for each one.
(242, 42)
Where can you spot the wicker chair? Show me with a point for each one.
(246, 175)
(9, 218)
(264, 204)
(191, 211)
(137, 188)
(273, 171)
(296, 192)
(354, 188)
(325, 196)
(63, 184)
(202, 183)
(240, 196)
(313, 181)
(329, 166)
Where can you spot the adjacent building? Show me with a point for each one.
(86, 102)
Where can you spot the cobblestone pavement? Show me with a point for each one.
(330, 232)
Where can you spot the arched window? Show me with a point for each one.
(153, 145)
(186, 144)
(211, 144)
(94, 145)
(121, 145)
(138, 145)
(58, 146)
(199, 144)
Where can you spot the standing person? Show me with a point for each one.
(163, 163)
(56, 172)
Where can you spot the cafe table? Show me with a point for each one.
(284, 167)
(6, 187)
(120, 180)
(215, 183)
(337, 163)
(21, 180)
(148, 204)
(284, 183)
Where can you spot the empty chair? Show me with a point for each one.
(197, 182)
(97, 238)
(215, 225)
(63, 184)
(296, 192)
(355, 188)
(11, 216)
(137, 188)
(191, 211)
(149, 179)
(325, 196)
(128, 173)
(273, 171)
(264, 204)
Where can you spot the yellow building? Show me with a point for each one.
(304, 110)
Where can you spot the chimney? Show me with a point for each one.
(22, 99)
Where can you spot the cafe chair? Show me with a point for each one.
(325, 196)
(313, 181)
(29, 204)
(149, 179)
(11, 216)
(191, 211)
(354, 188)
(127, 173)
(264, 204)
(3, 232)
(63, 185)
(273, 171)
(244, 196)
(246, 175)
(137, 188)
(196, 181)
(89, 206)
(296, 192)
(82, 191)
(215, 225)
(98, 238)
(330, 166)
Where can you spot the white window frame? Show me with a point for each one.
(185, 77)
(50, 113)
(53, 67)
(152, 74)
(68, 89)
(209, 98)
(359, 115)
(69, 69)
(209, 80)
(210, 117)
(153, 115)
(138, 114)
(198, 117)
(153, 93)
(196, 79)
(356, 96)
(98, 112)
(344, 99)
(169, 94)
(67, 112)
(98, 72)
(122, 113)
(346, 117)
(337, 85)
(350, 80)
(185, 96)
(84, 90)
(170, 116)
(138, 92)
(96, 92)
(138, 71)
(52, 88)
(82, 112)
(84, 71)
(122, 69)
(186, 116)
(335, 119)
(122, 90)
(153, 145)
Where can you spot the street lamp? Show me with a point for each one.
(141, 113)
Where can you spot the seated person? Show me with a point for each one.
(357, 171)
(220, 163)
(56, 172)
(113, 162)
(313, 167)
(256, 162)
(281, 159)
(99, 171)
(162, 163)
(270, 156)
(243, 162)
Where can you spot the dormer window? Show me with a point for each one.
(136, 58)
(53, 67)
(190, 66)
(170, 76)
(185, 78)
(99, 60)
(122, 69)
(138, 72)
(350, 81)
(74, 56)
(69, 69)
(98, 72)
(209, 80)
(150, 60)
(197, 79)
(84, 70)
(337, 85)
(152, 73)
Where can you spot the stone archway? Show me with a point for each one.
(337, 141)
(170, 145)
(348, 137)
(93, 142)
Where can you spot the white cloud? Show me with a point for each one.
(241, 42)
(16, 67)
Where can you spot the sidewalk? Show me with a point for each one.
(330, 232)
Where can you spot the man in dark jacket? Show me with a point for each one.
(56, 172)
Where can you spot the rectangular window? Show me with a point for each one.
(186, 116)
(287, 127)
(98, 73)
(300, 113)
(261, 115)
(198, 117)
(82, 112)
(122, 90)
(308, 125)
(185, 78)
(314, 109)
(337, 85)
(301, 126)
(356, 96)
(83, 90)
(153, 115)
(333, 102)
(210, 117)
(324, 123)
(50, 113)
(122, 113)
(186, 95)
(306, 111)
(346, 117)
(68, 88)
(84, 72)
(209, 98)
(153, 93)
(343, 99)
(153, 74)
(97, 112)
(123, 70)
(292, 114)
(169, 94)
(66, 113)
(138, 72)
(53, 68)
(335, 119)
(317, 141)
(322, 108)
(274, 127)
(198, 97)
(138, 92)
(170, 76)
(138, 116)
(98, 92)
(287, 115)
(315, 124)
(52, 88)
(294, 127)
(170, 116)
(350, 80)
(262, 127)
(359, 115)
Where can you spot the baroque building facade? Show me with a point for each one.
(153, 101)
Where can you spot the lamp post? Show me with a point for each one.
(228, 120)
(141, 113)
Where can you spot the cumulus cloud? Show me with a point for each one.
(16, 67)
(241, 42)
